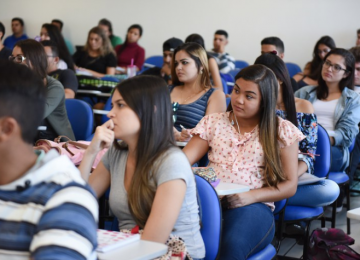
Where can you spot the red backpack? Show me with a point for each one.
(331, 243)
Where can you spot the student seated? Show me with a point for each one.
(192, 95)
(4, 51)
(168, 51)
(223, 59)
(31, 54)
(312, 70)
(106, 25)
(66, 77)
(131, 52)
(17, 27)
(50, 32)
(212, 64)
(97, 57)
(48, 210)
(336, 106)
(152, 184)
(300, 112)
(59, 24)
(249, 145)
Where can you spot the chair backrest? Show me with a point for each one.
(211, 217)
(279, 206)
(81, 118)
(228, 100)
(240, 64)
(292, 68)
(155, 61)
(323, 161)
(107, 107)
(234, 72)
(225, 86)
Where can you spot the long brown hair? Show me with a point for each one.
(106, 47)
(149, 98)
(268, 125)
(198, 54)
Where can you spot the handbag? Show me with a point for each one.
(73, 150)
(331, 243)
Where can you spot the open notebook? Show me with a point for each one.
(308, 178)
(110, 240)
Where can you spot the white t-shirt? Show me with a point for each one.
(325, 113)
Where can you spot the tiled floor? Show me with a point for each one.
(290, 248)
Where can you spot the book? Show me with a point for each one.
(308, 178)
(110, 240)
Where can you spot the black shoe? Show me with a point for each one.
(295, 229)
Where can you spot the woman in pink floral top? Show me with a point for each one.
(249, 145)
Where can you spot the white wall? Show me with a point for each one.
(299, 23)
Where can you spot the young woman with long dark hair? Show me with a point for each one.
(249, 145)
(152, 184)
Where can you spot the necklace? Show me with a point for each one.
(258, 174)
(191, 96)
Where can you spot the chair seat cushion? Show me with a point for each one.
(267, 253)
(338, 177)
(295, 213)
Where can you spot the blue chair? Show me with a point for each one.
(107, 107)
(228, 100)
(296, 214)
(292, 68)
(81, 118)
(267, 253)
(153, 61)
(225, 86)
(240, 64)
(234, 72)
(211, 218)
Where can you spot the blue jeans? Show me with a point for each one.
(337, 157)
(246, 231)
(319, 194)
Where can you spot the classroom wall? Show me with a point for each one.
(298, 23)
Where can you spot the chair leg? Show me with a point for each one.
(323, 221)
(347, 191)
(306, 240)
(333, 215)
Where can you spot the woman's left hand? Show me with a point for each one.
(237, 200)
(185, 135)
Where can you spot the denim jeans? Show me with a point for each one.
(319, 194)
(337, 159)
(246, 231)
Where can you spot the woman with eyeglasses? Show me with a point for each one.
(52, 33)
(32, 54)
(336, 105)
(192, 95)
(97, 57)
(312, 69)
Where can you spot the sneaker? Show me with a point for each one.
(295, 229)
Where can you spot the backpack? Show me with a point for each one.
(331, 243)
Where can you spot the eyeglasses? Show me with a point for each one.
(335, 67)
(17, 59)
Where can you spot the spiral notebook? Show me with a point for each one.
(308, 178)
(110, 240)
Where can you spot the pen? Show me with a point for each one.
(185, 129)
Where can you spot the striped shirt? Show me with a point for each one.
(189, 115)
(48, 213)
(224, 61)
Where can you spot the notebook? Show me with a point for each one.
(308, 178)
(110, 240)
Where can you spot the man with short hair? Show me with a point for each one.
(4, 51)
(168, 50)
(17, 27)
(223, 59)
(276, 46)
(59, 24)
(356, 52)
(48, 210)
(66, 77)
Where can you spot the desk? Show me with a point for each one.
(224, 188)
(93, 92)
(354, 214)
(181, 144)
(100, 112)
(139, 250)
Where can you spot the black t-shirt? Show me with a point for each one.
(5, 53)
(67, 78)
(294, 85)
(98, 64)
